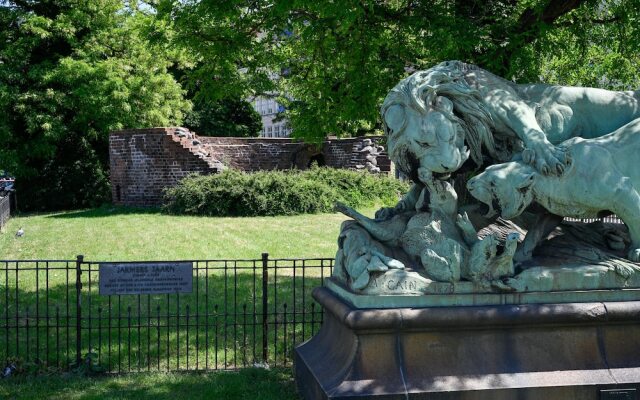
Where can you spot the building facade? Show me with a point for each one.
(273, 124)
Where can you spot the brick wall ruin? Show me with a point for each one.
(254, 154)
(145, 161)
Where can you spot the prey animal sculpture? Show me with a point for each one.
(444, 242)
(603, 177)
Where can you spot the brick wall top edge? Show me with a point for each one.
(145, 131)
(353, 139)
(257, 145)
(156, 129)
(165, 129)
(235, 140)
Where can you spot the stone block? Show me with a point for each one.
(542, 351)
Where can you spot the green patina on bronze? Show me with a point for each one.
(569, 151)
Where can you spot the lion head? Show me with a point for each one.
(435, 120)
(505, 188)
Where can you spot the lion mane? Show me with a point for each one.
(419, 92)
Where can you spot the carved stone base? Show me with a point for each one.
(539, 351)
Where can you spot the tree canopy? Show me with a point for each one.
(70, 72)
(225, 117)
(341, 57)
(73, 70)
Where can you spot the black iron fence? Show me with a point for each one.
(5, 210)
(239, 313)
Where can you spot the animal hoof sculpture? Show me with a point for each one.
(539, 153)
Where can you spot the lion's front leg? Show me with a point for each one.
(520, 118)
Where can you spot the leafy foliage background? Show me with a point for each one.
(70, 72)
(338, 59)
(226, 117)
(73, 70)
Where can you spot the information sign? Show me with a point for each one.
(145, 278)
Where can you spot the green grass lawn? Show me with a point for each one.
(249, 384)
(115, 233)
(33, 299)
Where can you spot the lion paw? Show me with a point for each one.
(546, 158)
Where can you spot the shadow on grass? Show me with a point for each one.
(219, 325)
(251, 383)
(112, 210)
(107, 211)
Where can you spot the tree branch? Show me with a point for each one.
(567, 24)
(605, 21)
(549, 14)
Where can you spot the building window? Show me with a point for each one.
(269, 132)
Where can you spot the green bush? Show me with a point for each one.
(234, 193)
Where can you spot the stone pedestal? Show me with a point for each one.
(585, 351)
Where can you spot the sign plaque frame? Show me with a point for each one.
(145, 278)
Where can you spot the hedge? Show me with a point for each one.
(263, 193)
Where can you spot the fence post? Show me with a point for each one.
(265, 293)
(79, 260)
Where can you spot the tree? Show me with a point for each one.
(344, 56)
(226, 117)
(70, 72)
(599, 49)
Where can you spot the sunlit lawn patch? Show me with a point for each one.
(114, 233)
